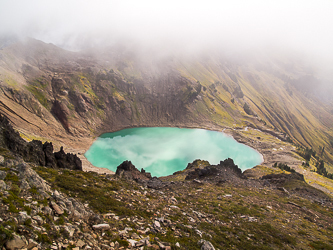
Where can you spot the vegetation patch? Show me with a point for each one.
(40, 95)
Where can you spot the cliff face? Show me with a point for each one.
(35, 151)
(53, 93)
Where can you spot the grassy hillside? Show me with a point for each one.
(85, 94)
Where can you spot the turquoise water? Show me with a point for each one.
(163, 151)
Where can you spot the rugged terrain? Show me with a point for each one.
(201, 207)
(69, 98)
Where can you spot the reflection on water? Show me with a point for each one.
(163, 151)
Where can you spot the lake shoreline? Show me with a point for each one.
(268, 152)
(165, 150)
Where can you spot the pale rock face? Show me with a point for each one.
(206, 245)
(101, 227)
(15, 243)
(2, 159)
(157, 224)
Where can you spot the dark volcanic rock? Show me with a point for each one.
(35, 151)
(283, 178)
(69, 161)
(156, 183)
(129, 171)
(49, 156)
(9, 138)
(202, 173)
(147, 174)
(126, 166)
(226, 170)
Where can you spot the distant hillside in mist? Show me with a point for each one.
(48, 91)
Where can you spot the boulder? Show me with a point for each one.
(3, 175)
(3, 185)
(2, 159)
(206, 245)
(15, 243)
(28, 174)
(56, 208)
(156, 183)
(101, 227)
(60, 111)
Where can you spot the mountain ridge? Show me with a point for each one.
(75, 96)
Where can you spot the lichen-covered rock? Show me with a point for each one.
(28, 174)
(206, 245)
(2, 159)
(2, 175)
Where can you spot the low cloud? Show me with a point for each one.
(304, 26)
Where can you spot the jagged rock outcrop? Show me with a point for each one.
(35, 151)
(197, 164)
(69, 161)
(129, 171)
(226, 170)
(50, 159)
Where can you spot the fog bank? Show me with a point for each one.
(175, 25)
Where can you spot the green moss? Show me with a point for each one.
(33, 190)
(60, 221)
(122, 243)
(47, 226)
(321, 245)
(12, 177)
(12, 208)
(43, 238)
(28, 222)
(27, 209)
(6, 153)
(40, 95)
(5, 235)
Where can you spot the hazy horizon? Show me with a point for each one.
(301, 26)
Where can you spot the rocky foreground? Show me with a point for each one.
(213, 207)
(202, 207)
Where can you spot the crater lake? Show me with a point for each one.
(165, 150)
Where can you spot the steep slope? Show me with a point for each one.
(202, 207)
(67, 96)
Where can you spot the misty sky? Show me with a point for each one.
(303, 25)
